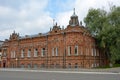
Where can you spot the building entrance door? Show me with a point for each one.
(4, 64)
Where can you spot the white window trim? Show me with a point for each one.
(56, 51)
(13, 54)
(69, 50)
(42, 52)
(22, 53)
(29, 53)
(35, 52)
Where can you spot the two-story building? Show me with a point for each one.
(70, 47)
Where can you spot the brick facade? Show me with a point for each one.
(72, 47)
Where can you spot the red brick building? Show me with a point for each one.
(72, 47)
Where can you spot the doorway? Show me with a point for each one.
(4, 64)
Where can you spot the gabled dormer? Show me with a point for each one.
(14, 36)
(55, 29)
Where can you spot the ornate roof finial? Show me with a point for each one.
(74, 11)
(56, 23)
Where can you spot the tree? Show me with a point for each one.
(105, 27)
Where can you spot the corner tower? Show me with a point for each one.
(74, 19)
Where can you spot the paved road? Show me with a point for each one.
(21, 75)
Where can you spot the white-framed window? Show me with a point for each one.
(43, 52)
(76, 50)
(22, 53)
(97, 64)
(29, 53)
(92, 51)
(53, 52)
(56, 51)
(92, 65)
(69, 50)
(13, 54)
(35, 52)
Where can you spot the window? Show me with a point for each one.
(92, 65)
(92, 51)
(43, 52)
(35, 52)
(52, 51)
(22, 53)
(35, 66)
(22, 66)
(56, 51)
(29, 53)
(97, 64)
(69, 50)
(76, 65)
(76, 50)
(13, 54)
(28, 66)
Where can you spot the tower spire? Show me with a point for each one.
(74, 11)
(74, 19)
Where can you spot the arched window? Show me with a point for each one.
(35, 52)
(22, 53)
(69, 50)
(76, 65)
(76, 50)
(29, 53)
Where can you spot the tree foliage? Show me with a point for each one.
(105, 27)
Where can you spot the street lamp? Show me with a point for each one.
(0, 56)
(16, 62)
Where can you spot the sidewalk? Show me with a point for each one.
(108, 70)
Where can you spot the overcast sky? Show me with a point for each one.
(29, 17)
